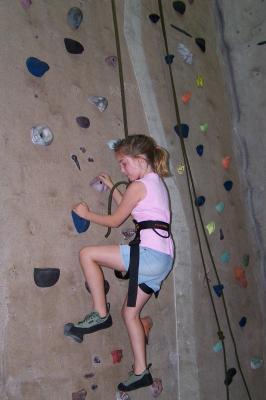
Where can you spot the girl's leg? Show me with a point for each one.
(91, 260)
(131, 316)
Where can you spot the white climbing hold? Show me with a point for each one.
(42, 135)
(185, 53)
(100, 102)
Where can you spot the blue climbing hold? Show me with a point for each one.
(243, 322)
(199, 149)
(74, 17)
(225, 257)
(169, 58)
(218, 289)
(182, 130)
(228, 185)
(200, 201)
(81, 224)
(36, 67)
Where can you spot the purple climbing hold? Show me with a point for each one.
(199, 149)
(200, 201)
(169, 58)
(98, 185)
(218, 289)
(73, 47)
(242, 322)
(46, 277)
(179, 6)
(182, 130)
(83, 122)
(106, 286)
(36, 67)
(111, 60)
(154, 18)
(228, 185)
(25, 3)
(156, 387)
(230, 373)
(201, 43)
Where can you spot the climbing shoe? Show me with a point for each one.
(91, 323)
(136, 381)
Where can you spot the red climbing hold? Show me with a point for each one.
(117, 356)
(240, 276)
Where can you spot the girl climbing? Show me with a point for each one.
(147, 260)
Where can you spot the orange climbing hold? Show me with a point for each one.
(147, 325)
(240, 276)
(186, 97)
(226, 162)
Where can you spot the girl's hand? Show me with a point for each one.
(81, 209)
(106, 179)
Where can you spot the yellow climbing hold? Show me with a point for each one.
(180, 168)
(200, 81)
(210, 227)
(204, 127)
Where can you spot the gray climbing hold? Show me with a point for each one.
(42, 135)
(74, 17)
(80, 395)
(46, 277)
(100, 102)
(111, 60)
(83, 122)
(185, 53)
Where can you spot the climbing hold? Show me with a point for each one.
(76, 161)
(242, 322)
(245, 260)
(36, 67)
(81, 224)
(230, 373)
(111, 60)
(83, 149)
(210, 227)
(100, 102)
(201, 43)
(117, 356)
(180, 168)
(169, 58)
(186, 97)
(219, 207)
(228, 185)
(83, 122)
(204, 127)
(261, 43)
(74, 17)
(200, 201)
(199, 81)
(46, 277)
(218, 347)
(111, 143)
(185, 53)
(122, 396)
(42, 135)
(225, 257)
(94, 386)
(226, 162)
(90, 159)
(181, 30)
(80, 395)
(179, 6)
(98, 185)
(256, 362)
(96, 360)
(128, 233)
(240, 277)
(89, 375)
(154, 18)
(182, 130)
(199, 149)
(221, 234)
(156, 387)
(25, 3)
(73, 47)
(147, 325)
(218, 289)
(106, 286)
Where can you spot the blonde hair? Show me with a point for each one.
(136, 145)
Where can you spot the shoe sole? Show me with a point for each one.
(137, 385)
(78, 333)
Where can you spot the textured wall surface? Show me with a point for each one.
(39, 185)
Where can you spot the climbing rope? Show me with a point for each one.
(190, 183)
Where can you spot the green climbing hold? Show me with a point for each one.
(245, 260)
(204, 127)
(210, 227)
(256, 362)
(218, 347)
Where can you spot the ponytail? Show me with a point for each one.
(160, 164)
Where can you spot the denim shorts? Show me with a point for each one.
(154, 266)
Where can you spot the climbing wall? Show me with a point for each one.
(55, 64)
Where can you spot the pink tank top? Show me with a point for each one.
(155, 206)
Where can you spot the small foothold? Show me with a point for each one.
(106, 286)
(179, 6)
(242, 322)
(98, 185)
(225, 257)
(36, 67)
(210, 227)
(261, 43)
(256, 362)
(83, 122)
(186, 97)
(42, 135)
(96, 360)
(94, 386)
(80, 395)
(74, 17)
(111, 60)
(89, 375)
(117, 356)
(200, 81)
(226, 162)
(180, 168)
(25, 3)
(111, 143)
(73, 47)
(230, 373)
(201, 43)
(154, 18)
(90, 159)
(122, 395)
(185, 53)
(228, 185)
(169, 58)
(182, 130)
(218, 347)
(221, 234)
(76, 161)
(199, 149)
(83, 149)
(147, 325)
(240, 277)
(46, 277)
(156, 387)
(245, 260)
(219, 207)
(100, 102)
(218, 289)
(204, 127)
(200, 201)
(81, 224)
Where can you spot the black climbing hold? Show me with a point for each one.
(83, 122)
(230, 373)
(179, 6)
(243, 322)
(106, 286)
(181, 30)
(169, 58)
(199, 149)
(36, 67)
(154, 18)
(182, 130)
(46, 277)
(81, 224)
(221, 234)
(228, 185)
(90, 159)
(74, 17)
(94, 386)
(261, 43)
(218, 289)
(201, 43)
(89, 375)
(73, 47)
(200, 201)
(76, 161)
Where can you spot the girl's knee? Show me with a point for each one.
(129, 313)
(84, 254)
